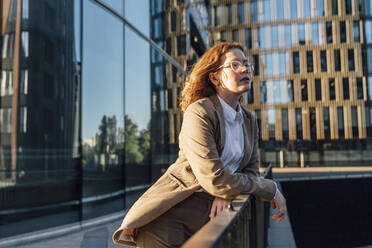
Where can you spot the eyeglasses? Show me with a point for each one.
(237, 66)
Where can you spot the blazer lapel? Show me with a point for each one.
(221, 121)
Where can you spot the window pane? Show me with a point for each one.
(323, 61)
(248, 38)
(342, 32)
(307, 8)
(359, 88)
(261, 37)
(350, 53)
(271, 122)
(235, 35)
(241, 17)
(304, 90)
(299, 123)
(327, 131)
(332, 93)
(267, 13)
(256, 65)
(277, 91)
(269, 64)
(293, 9)
(315, 33)
(345, 86)
(340, 120)
(356, 32)
(250, 95)
(318, 90)
(274, 36)
(329, 32)
(301, 33)
(254, 10)
(354, 121)
(309, 59)
(263, 92)
(288, 40)
(321, 7)
(369, 88)
(334, 7)
(348, 6)
(368, 29)
(282, 63)
(312, 123)
(337, 60)
(280, 9)
(229, 14)
(285, 124)
(296, 62)
(290, 90)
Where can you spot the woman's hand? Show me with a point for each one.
(218, 205)
(280, 202)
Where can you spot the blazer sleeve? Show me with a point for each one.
(253, 165)
(198, 143)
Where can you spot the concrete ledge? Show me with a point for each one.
(58, 231)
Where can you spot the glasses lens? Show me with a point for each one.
(235, 65)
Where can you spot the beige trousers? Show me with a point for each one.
(178, 224)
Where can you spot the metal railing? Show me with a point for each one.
(243, 224)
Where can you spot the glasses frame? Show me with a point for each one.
(250, 67)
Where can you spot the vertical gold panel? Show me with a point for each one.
(278, 125)
(292, 123)
(362, 121)
(264, 125)
(305, 123)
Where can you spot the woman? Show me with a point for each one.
(218, 158)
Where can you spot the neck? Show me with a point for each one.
(229, 98)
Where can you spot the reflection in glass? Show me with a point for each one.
(280, 9)
(24, 38)
(342, 32)
(276, 88)
(356, 32)
(285, 124)
(350, 55)
(329, 32)
(254, 10)
(269, 64)
(368, 30)
(290, 90)
(241, 16)
(301, 33)
(282, 63)
(320, 7)
(369, 87)
(267, 13)
(288, 35)
(298, 112)
(323, 60)
(229, 14)
(318, 90)
(250, 95)
(248, 38)
(181, 44)
(354, 122)
(256, 64)
(271, 123)
(315, 35)
(274, 36)
(340, 120)
(293, 9)
(307, 8)
(296, 62)
(304, 90)
(334, 7)
(263, 92)
(359, 82)
(261, 37)
(312, 123)
(345, 84)
(327, 131)
(332, 92)
(309, 60)
(348, 6)
(337, 60)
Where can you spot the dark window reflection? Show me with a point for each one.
(235, 35)
(304, 90)
(359, 88)
(334, 7)
(309, 57)
(312, 123)
(318, 89)
(350, 54)
(256, 65)
(223, 36)
(340, 120)
(296, 62)
(181, 44)
(290, 90)
(241, 17)
(258, 116)
(354, 122)
(250, 95)
(285, 124)
(271, 123)
(327, 131)
(342, 32)
(369, 120)
(248, 39)
(173, 21)
(299, 123)
(356, 32)
(263, 91)
(229, 14)
(332, 92)
(170, 99)
(323, 61)
(345, 84)
(348, 6)
(337, 60)
(329, 32)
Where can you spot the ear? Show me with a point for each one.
(213, 79)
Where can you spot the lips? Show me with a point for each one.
(245, 79)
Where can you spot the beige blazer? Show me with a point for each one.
(201, 142)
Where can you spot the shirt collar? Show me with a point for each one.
(230, 114)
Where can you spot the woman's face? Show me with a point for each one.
(236, 72)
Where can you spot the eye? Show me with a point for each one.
(235, 65)
(246, 64)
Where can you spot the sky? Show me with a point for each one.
(103, 65)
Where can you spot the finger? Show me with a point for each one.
(213, 211)
(273, 205)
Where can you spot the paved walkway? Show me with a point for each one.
(96, 237)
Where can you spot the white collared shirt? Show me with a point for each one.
(233, 151)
